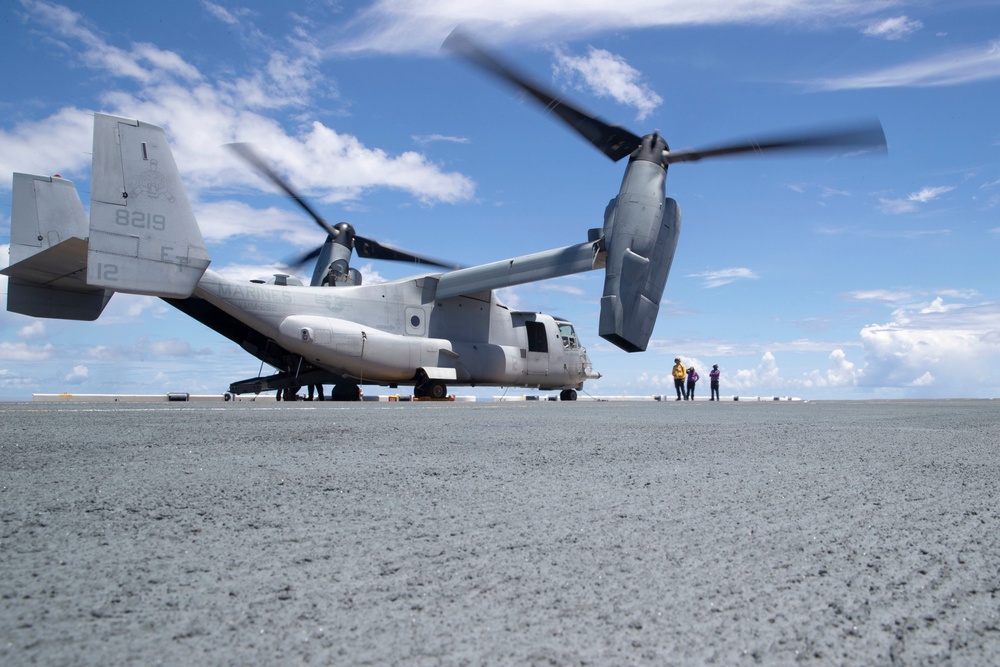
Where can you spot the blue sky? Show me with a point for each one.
(824, 277)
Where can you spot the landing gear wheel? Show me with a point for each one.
(345, 391)
(567, 395)
(435, 389)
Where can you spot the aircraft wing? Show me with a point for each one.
(524, 269)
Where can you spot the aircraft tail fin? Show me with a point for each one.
(144, 238)
(48, 252)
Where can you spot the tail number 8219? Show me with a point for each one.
(141, 220)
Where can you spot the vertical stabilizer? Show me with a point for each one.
(48, 252)
(144, 238)
(44, 212)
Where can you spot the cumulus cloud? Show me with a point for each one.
(201, 114)
(78, 375)
(840, 373)
(32, 331)
(938, 342)
(608, 75)
(766, 375)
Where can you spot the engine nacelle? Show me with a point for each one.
(641, 228)
(353, 349)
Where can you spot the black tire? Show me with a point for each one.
(435, 389)
(345, 391)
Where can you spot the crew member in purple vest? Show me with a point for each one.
(693, 377)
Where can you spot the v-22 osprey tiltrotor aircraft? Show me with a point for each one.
(432, 330)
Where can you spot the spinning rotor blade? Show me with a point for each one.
(369, 248)
(248, 154)
(299, 260)
(365, 247)
(614, 141)
(867, 135)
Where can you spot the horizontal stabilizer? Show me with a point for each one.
(52, 283)
(144, 238)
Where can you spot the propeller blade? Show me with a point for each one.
(299, 260)
(372, 249)
(613, 140)
(867, 135)
(258, 163)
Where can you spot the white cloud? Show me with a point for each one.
(765, 376)
(510, 297)
(32, 331)
(226, 219)
(25, 352)
(221, 13)
(897, 206)
(145, 63)
(398, 26)
(654, 380)
(880, 295)
(171, 347)
(78, 375)
(893, 28)
(840, 373)
(143, 348)
(563, 288)
(59, 144)
(956, 344)
(937, 306)
(910, 203)
(724, 276)
(919, 300)
(201, 115)
(9, 379)
(950, 68)
(608, 75)
(930, 193)
(433, 138)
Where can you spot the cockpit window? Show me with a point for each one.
(568, 335)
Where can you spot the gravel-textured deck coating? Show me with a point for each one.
(500, 533)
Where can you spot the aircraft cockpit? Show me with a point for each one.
(568, 335)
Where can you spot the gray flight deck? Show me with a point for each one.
(547, 533)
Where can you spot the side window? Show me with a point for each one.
(536, 337)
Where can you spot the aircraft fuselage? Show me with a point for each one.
(391, 332)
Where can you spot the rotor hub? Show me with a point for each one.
(652, 149)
